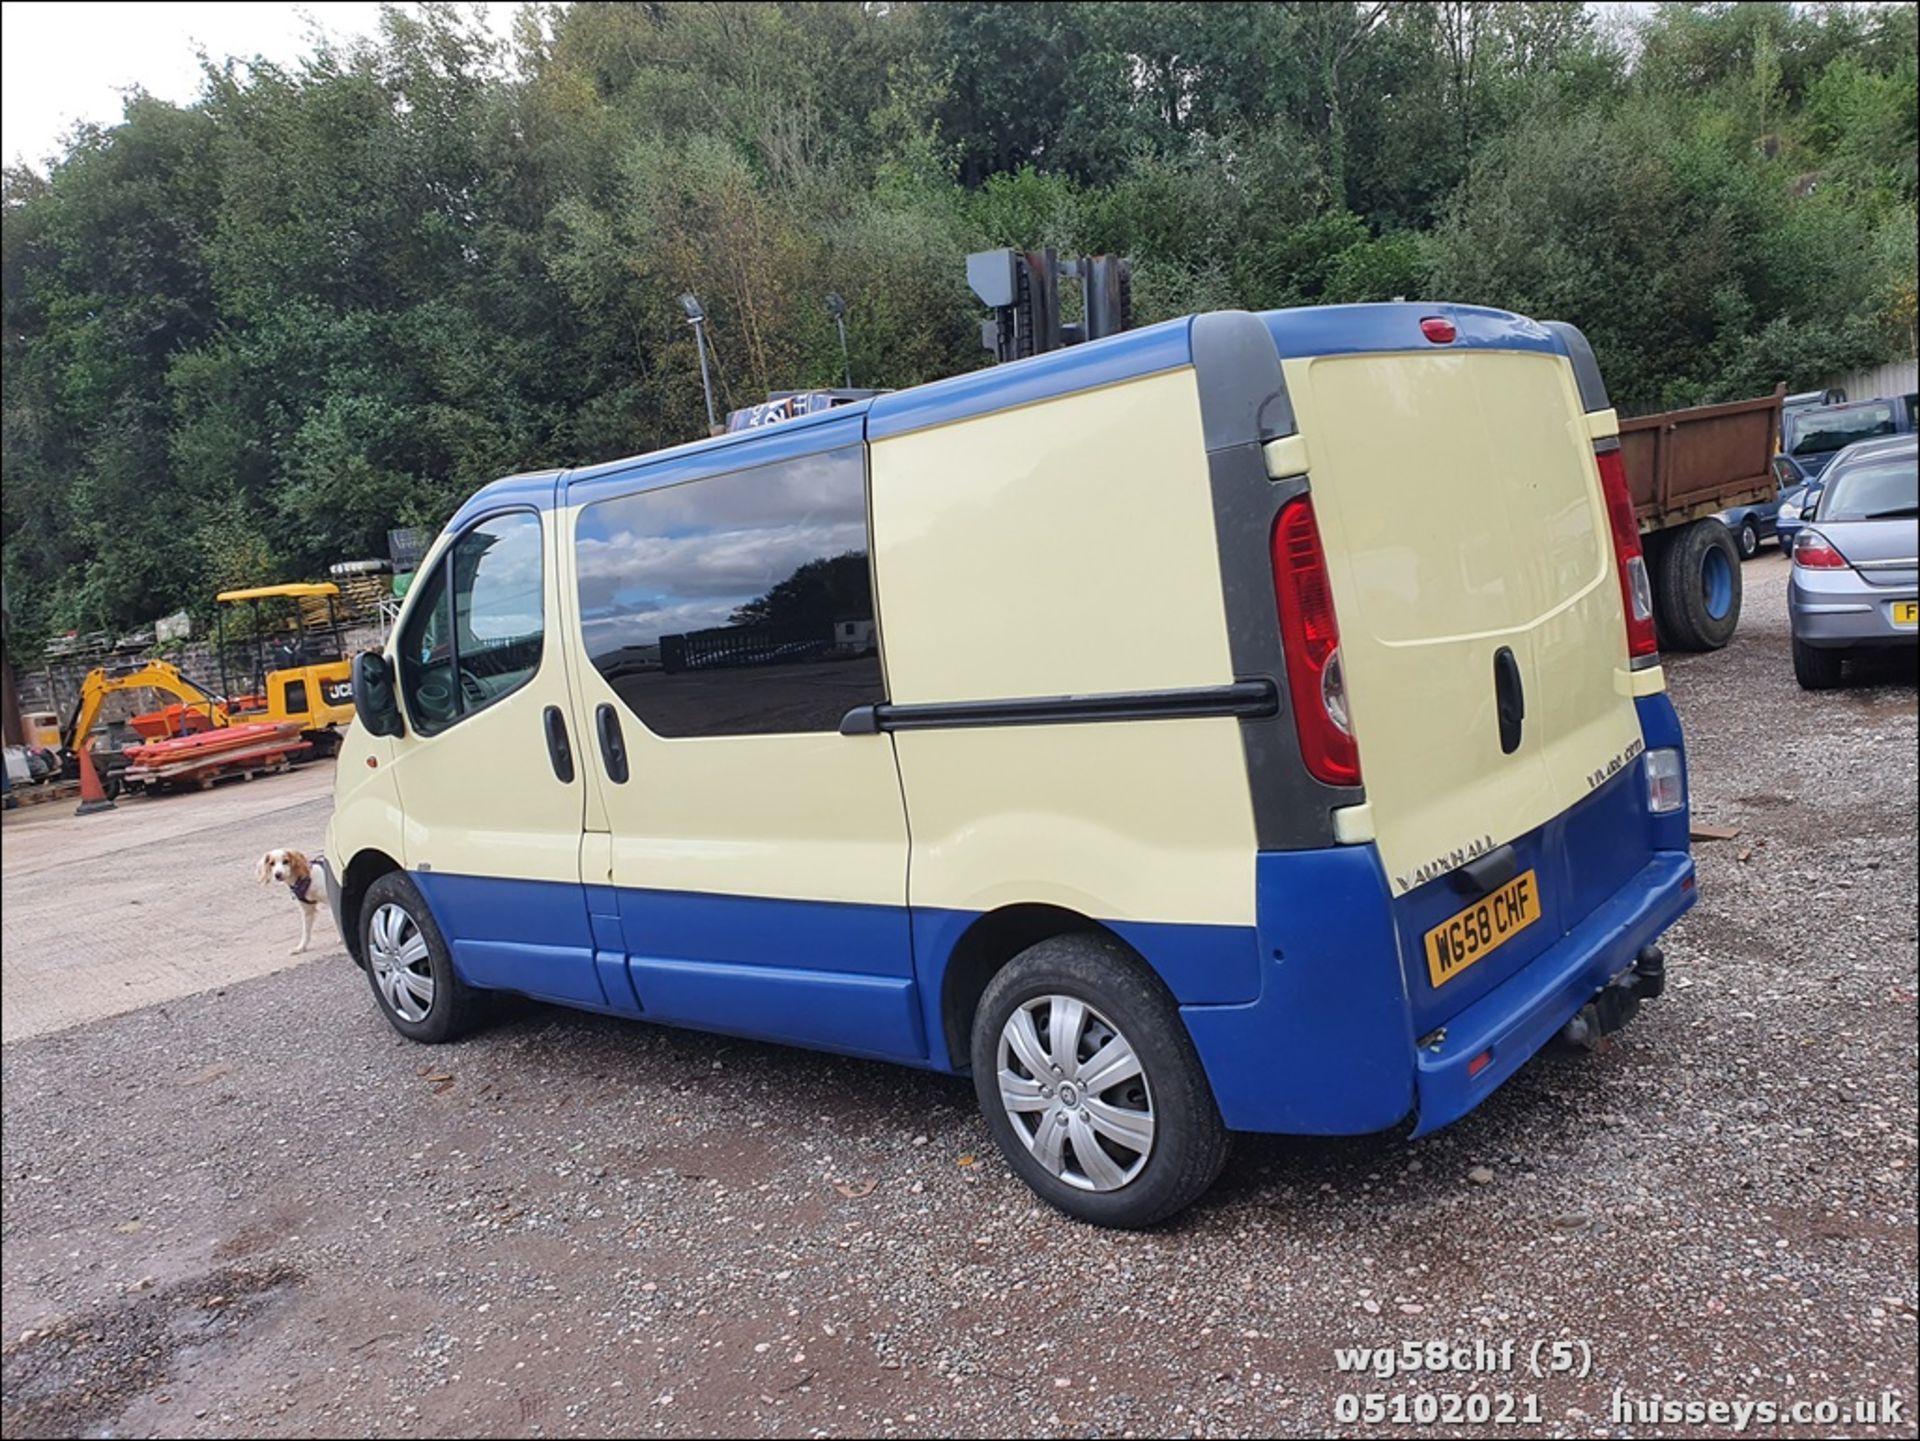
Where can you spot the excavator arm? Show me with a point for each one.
(159, 675)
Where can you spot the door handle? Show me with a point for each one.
(613, 750)
(1510, 698)
(559, 748)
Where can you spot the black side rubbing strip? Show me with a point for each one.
(559, 749)
(1242, 698)
(1510, 698)
(613, 747)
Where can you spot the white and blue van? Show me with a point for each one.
(1247, 723)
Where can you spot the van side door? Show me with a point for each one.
(492, 820)
(757, 857)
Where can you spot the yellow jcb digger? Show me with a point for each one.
(285, 667)
(288, 662)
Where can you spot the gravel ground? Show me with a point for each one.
(153, 900)
(256, 1210)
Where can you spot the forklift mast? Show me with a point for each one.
(1022, 288)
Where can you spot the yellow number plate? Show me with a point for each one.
(1482, 928)
(1906, 612)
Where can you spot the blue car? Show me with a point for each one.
(1811, 437)
(1752, 524)
(1786, 520)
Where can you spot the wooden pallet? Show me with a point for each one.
(46, 791)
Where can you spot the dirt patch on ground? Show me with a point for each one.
(73, 1372)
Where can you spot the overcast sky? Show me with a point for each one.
(63, 62)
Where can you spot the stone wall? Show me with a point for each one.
(54, 685)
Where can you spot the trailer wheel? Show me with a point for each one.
(1697, 591)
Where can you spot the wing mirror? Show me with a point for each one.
(374, 703)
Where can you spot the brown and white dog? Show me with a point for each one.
(292, 870)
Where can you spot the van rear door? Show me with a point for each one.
(1471, 560)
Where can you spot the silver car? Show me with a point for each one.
(1856, 564)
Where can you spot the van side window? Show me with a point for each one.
(740, 604)
(462, 651)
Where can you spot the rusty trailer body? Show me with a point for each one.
(1684, 465)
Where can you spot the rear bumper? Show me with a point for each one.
(1328, 1049)
(1847, 612)
(1513, 1021)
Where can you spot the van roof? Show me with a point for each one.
(1307, 331)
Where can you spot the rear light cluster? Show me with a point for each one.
(1636, 586)
(1666, 781)
(1814, 551)
(1310, 633)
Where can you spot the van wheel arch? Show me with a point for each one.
(984, 950)
(362, 871)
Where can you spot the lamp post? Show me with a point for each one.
(697, 318)
(837, 308)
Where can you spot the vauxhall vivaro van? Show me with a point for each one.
(1251, 722)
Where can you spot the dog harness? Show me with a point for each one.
(300, 889)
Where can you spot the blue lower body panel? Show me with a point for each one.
(1326, 1049)
(830, 1011)
(1329, 1048)
(517, 935)
(834, 976)
(829, 974)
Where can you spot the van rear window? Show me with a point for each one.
(738, 604)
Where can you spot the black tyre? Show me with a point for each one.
(1815, 668)
(1748, 538)
(409, 967)
(1091, 1085)
(1697, 588)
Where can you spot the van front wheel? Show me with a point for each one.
(1091, 1085)
(409, 966)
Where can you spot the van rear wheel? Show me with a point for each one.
(409, 966)
(1091, 1085)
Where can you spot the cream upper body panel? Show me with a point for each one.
(1130, 821)
(1065, 548)
(366, 803)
